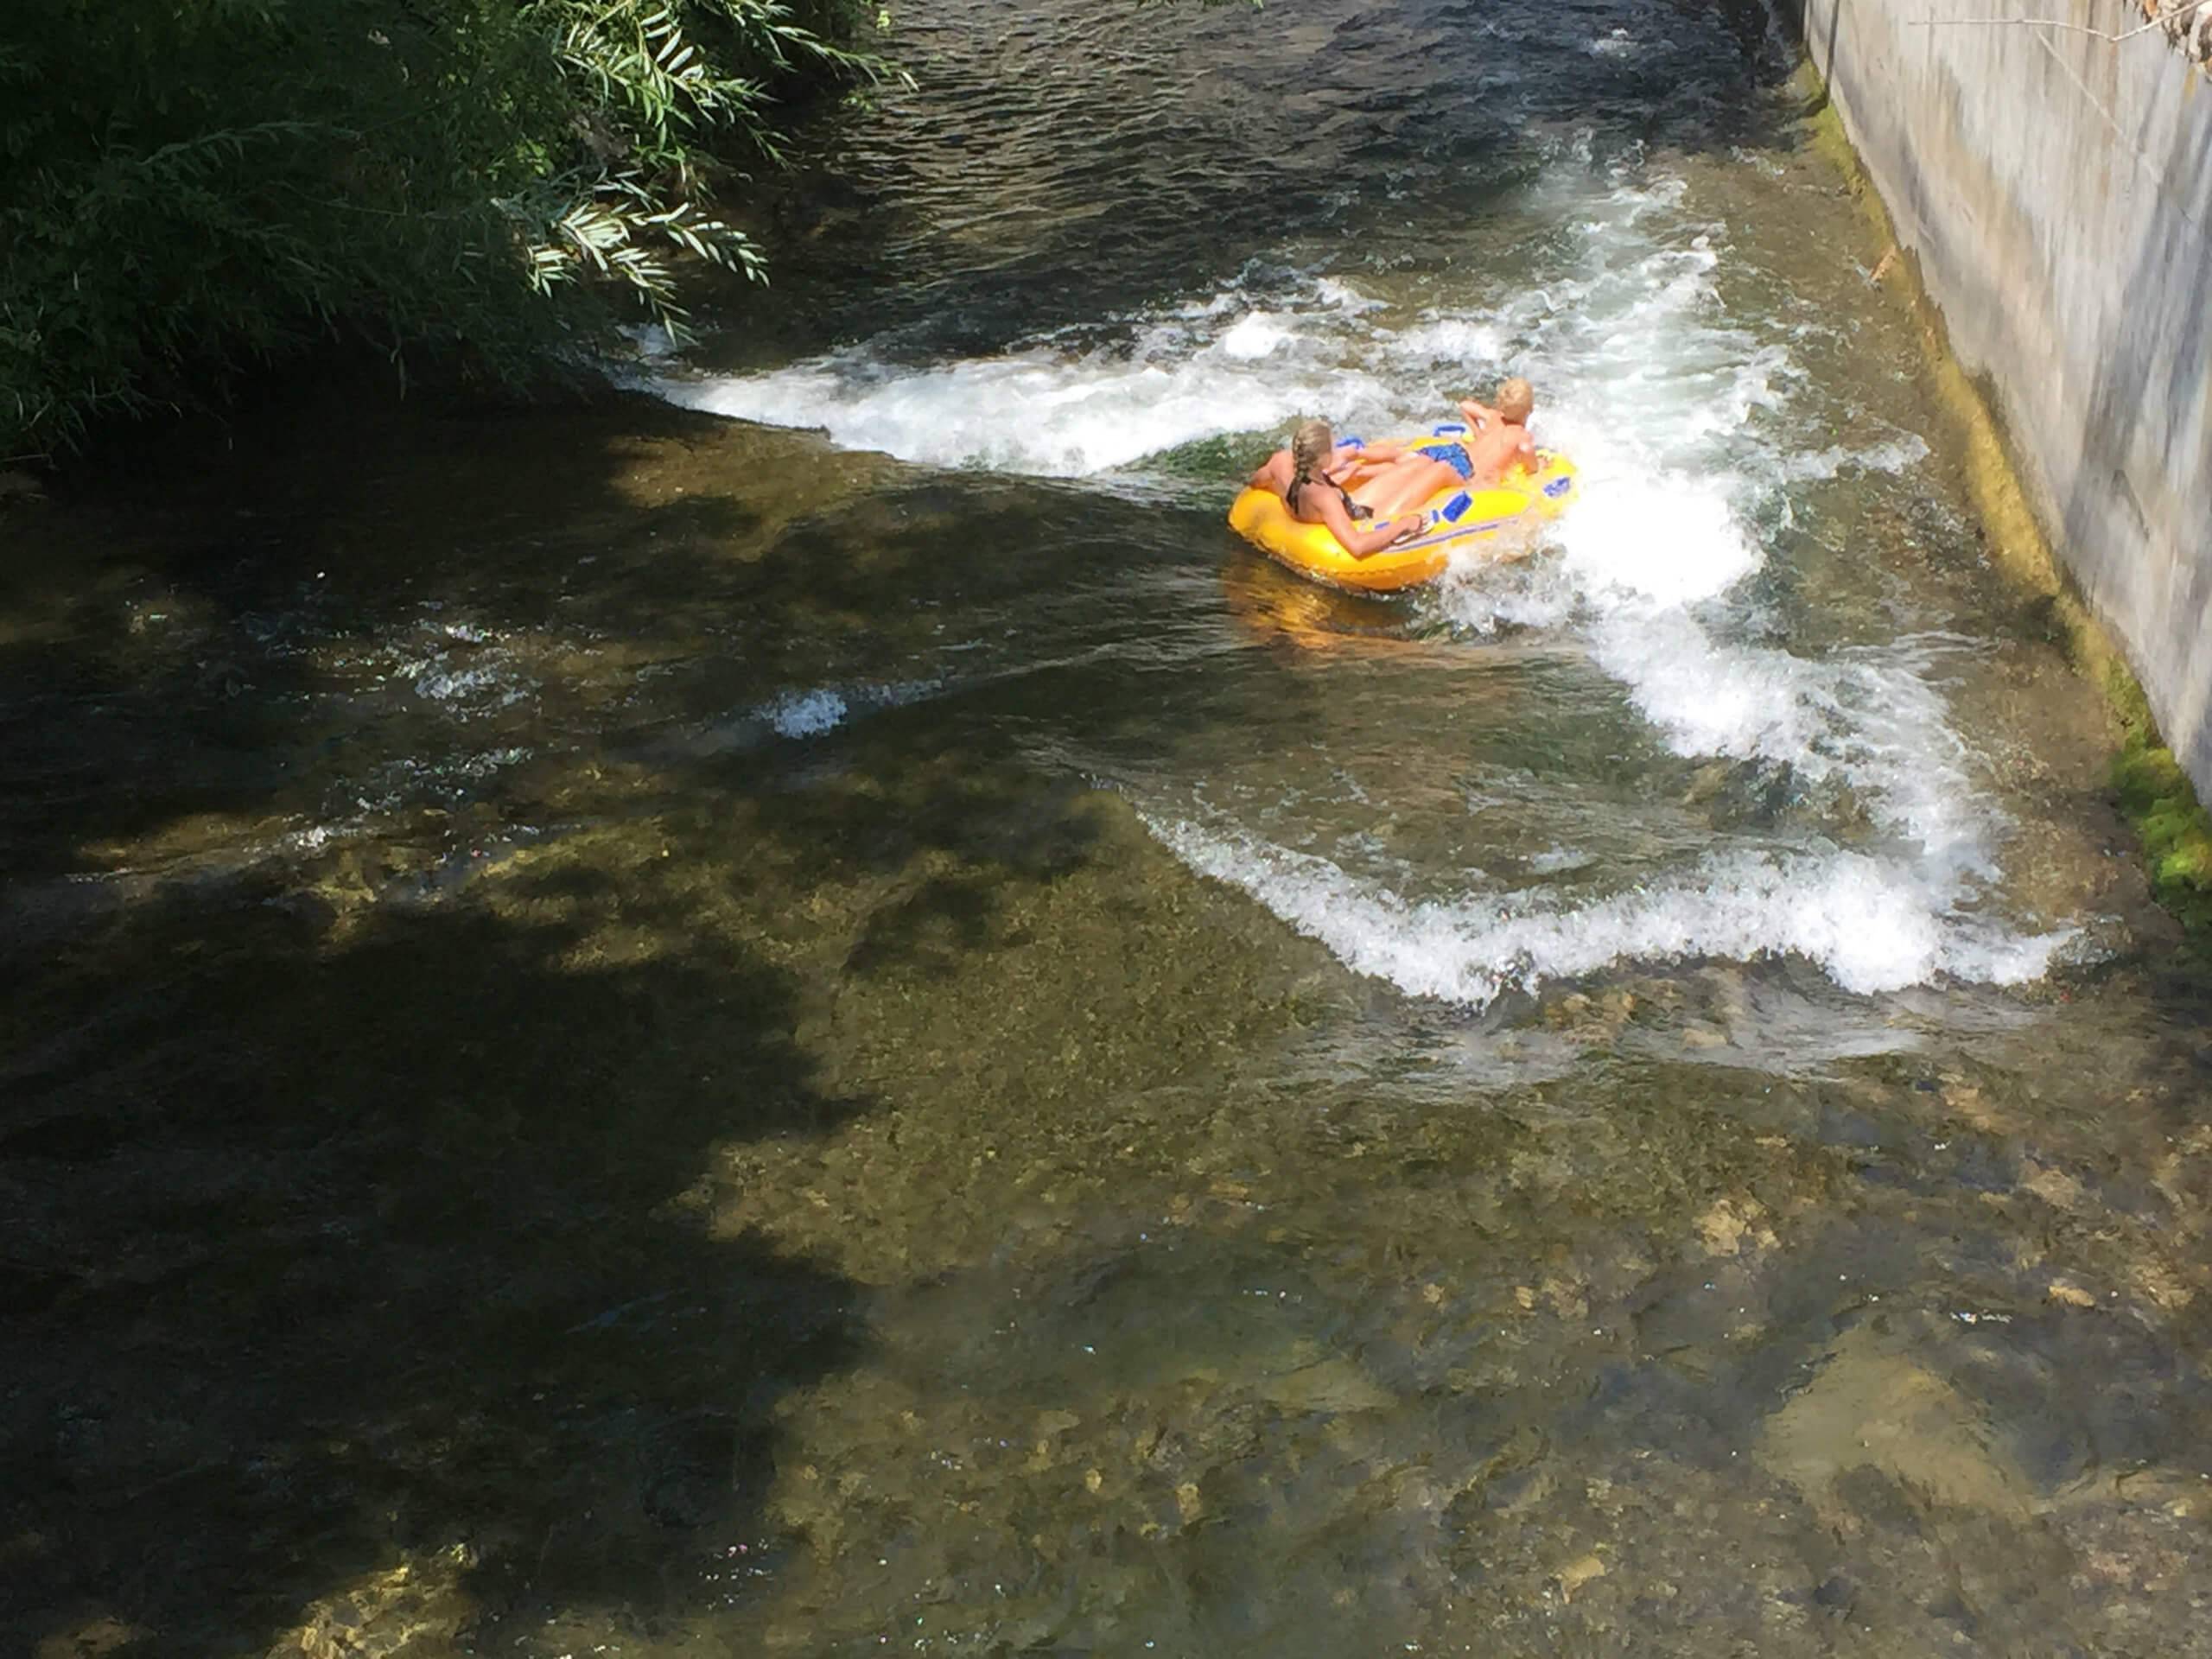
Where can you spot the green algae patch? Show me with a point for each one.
(2156, 797)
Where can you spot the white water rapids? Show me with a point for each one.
(1695, 428)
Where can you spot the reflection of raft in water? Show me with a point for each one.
(1459, 521)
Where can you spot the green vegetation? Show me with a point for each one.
(2156, 797)
(194, 187)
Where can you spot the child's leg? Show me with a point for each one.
(1405, 484)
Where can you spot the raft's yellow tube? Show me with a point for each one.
(1460, 519)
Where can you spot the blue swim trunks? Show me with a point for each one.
(1452, 454)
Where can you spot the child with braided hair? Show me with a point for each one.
(1312, 477)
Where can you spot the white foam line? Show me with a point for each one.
(1892, 457)
(1866, 922)
(1225, 365)
(816, 711)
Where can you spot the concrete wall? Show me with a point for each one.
(2057, 189)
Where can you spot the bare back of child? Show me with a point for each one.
(1498, 443)
(1500, 439)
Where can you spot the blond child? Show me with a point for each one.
(1496, 443)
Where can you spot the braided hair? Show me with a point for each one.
(1310, 445)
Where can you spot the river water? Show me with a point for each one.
(632, 1031)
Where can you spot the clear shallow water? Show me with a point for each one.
(637, 1032)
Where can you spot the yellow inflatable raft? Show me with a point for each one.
(1458, 519)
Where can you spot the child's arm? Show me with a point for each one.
(1362, 541)
(1386, 532)
(1480, 415)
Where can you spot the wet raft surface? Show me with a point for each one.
(631, 1032)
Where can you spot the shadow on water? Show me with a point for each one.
(162, 627)
(326, 1250)
(347, 1230)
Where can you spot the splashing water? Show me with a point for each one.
(1688, 423)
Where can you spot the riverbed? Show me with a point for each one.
(803, 1012)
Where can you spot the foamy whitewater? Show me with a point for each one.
(1871, 925)
(1679, 416)
(1220, 366)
